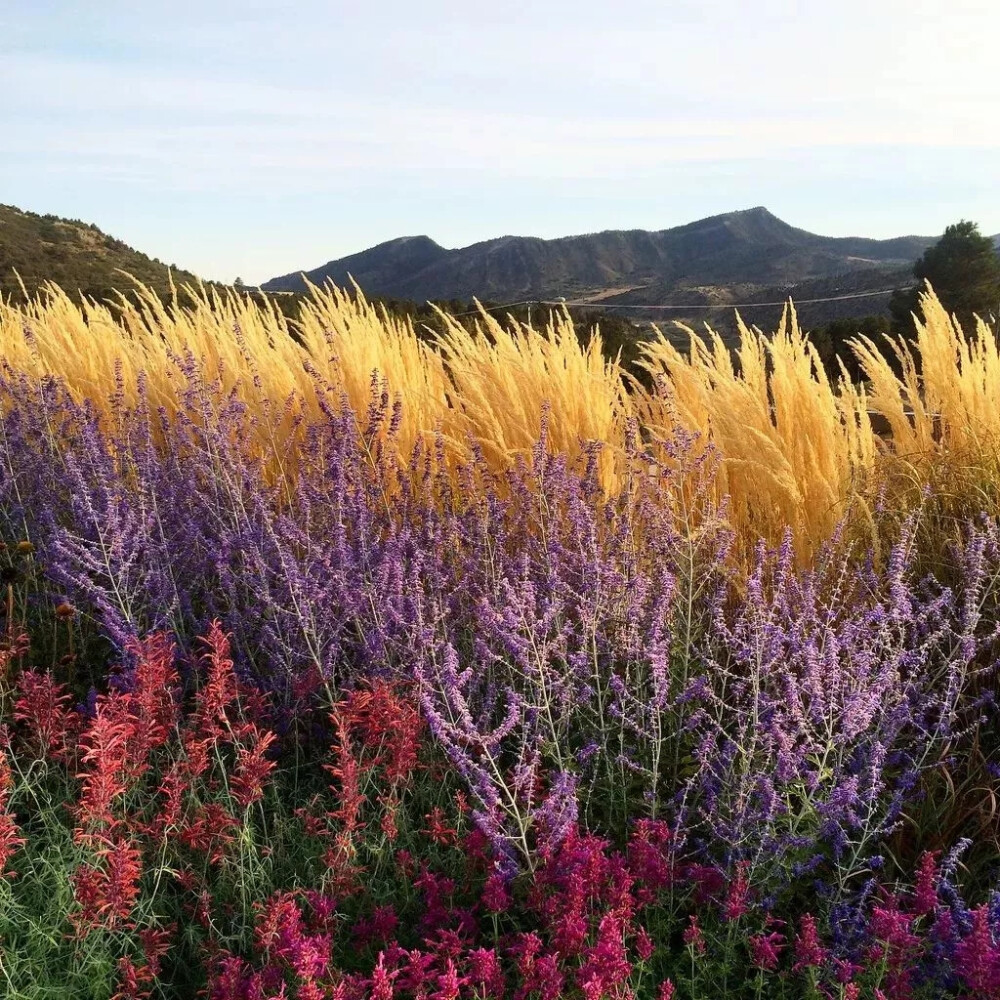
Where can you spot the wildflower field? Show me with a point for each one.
(342, 662)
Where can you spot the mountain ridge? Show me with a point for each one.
(751, 248)
(77, 256)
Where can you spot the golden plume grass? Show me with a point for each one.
(938, 393)
(944, 400)
(795, 447)
(489, 388)
(507, 380)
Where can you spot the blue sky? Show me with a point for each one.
(254, 138)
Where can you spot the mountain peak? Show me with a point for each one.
(747, 247)
(413, 242)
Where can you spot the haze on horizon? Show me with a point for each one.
(252, 139)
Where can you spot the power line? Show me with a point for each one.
(730, 305)
(584, 303)
(505, 305)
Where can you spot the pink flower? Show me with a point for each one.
(693, 936)
(736, 899)
(666, 991)
(380, 926)
(496, 896)
(606, 962)
(977, 957)
(485, 971)
(9, 830)
(765, 949)
(448, 983)
(643, 944)
(925, 892)
(809, 953)
(381, 981)
(649, 854)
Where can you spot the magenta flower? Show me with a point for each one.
(643, 944)
(736, 899)
(925, 891)
(765, 949)
(809, 952)
(496, 897)
(977, 957)
(693, 936)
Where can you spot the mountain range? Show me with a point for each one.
(749, 255)
(741, 257)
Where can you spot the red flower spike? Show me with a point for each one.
(693, 936)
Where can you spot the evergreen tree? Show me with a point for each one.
(963, 268)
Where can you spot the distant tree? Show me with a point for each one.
(963, 268)
(238, 284)
(831, 342)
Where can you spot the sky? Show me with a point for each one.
(253, 139)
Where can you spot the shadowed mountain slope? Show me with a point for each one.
(747, 248)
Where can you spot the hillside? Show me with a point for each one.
(74, 254)
(727, 258)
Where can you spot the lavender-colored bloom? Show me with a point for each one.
(578, 657)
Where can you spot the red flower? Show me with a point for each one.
(438, 829)
(496, 897)
(246, 784)
(107, 892)
(736, 899)
(381, 981)
(219, 691)
(42, 707)
(9, 830)
(210, 832)
(977, 956)
(155, 944)
(643, 944)
(809, 953)
(765, 949)
(106, 753)
(693, 936)
(348, 772)
(132, 981)
(925, 891)
(389, 726)
(153, 700)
